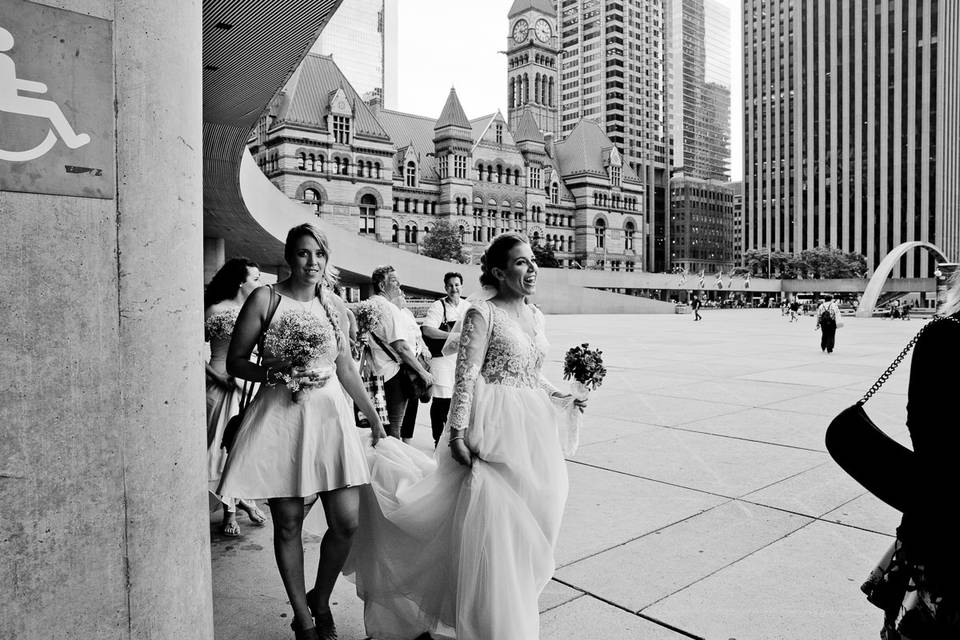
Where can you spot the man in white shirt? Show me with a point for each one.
(394, 342)
(441, 317)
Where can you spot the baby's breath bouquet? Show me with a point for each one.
(585, 366)
(368, 315)
(299, 338)
(219, 326)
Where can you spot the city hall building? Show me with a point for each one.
(391, 176)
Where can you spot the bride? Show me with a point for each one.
(462, 546)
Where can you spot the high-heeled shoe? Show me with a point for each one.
(304, 634)
(326, 628)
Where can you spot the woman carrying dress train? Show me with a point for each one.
(291, 448)
(461, 548)
(226, 293)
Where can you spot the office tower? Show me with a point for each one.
(850, 130)
(698, 119)
(362, 37)
(736, 188)
(612, 71)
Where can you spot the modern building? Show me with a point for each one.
(698, 117)
(612, 71)
(850, 127)
(362, 38)
(736, 189)
(391, 176)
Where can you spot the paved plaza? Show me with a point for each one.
(702, 502)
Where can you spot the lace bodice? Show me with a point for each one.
(496, 347)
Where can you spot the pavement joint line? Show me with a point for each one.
(664, 482)
(581, 593)
(732, 562)
(726, 435)
(739, 409)
(784, 479)
(628, 610)
(644, 535)
(820, 518)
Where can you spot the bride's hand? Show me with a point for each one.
(310, 378)
(377, 432)
(461, 453)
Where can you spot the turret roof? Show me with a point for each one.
(527, 129)
(544, 6)
(583, 151)
(452, 114)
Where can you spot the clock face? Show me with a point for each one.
(543, 30)
(520, 30)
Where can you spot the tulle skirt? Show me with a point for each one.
(288, 448)
(464, 552)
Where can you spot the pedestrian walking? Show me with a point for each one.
(794, 310)
(828, 315)
(695, 305)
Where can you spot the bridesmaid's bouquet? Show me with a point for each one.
(368, 315)
(299, 338)
(219, 326)
(585, 366)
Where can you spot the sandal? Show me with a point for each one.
(253, 512)
(326, 628)
(304, 634)
(230, 529)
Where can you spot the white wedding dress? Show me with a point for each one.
(465, 552)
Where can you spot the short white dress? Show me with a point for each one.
(288, 448)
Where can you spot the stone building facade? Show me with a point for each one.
(391, 175)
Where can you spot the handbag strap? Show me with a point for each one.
(903, 354)
(246, 395)
(387, 351)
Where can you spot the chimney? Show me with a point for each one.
(548, 144)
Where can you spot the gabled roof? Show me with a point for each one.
(544, 6)
(527, 129)
(406, 129)
(308, 94)
(480, 126)
(583, 151)
(452, 114)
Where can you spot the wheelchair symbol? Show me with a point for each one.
(12, 102)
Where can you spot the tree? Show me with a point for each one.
(545, 256)
(443, 243)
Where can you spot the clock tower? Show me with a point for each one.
(533, 58)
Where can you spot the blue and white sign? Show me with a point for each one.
(56, 102)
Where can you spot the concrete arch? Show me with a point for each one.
(872, 293)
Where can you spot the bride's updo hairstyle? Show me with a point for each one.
(496, 255)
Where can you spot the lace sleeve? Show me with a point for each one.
(473, 348)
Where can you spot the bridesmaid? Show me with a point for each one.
(226, 293)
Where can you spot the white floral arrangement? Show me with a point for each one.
(219, 326)
(299, 338)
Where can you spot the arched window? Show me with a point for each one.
(406, 234)
(499, 173)
(377, 167)
(555, 193)
(413, 234)
(628, 232)
(312, 197)
(302, 161)
(336, 165)
(345, 166)
(360, 169)
(536, 238)
(526, 88)
(536, 89)
(320, 164)
(463, 234)
(550, 93)
(600, 230)
(370, 169)
(516, 176)
(411, 174)
(396, 232)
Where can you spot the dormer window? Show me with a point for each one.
(615, 176)
(499, 133)
(341, 129)
(411, 174)
(554, 193)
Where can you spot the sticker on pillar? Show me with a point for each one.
(56, 102)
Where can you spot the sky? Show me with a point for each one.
(458, 43)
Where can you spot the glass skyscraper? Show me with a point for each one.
(362, 38)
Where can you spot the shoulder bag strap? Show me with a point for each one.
(903, 354)
(247, 394)
(386, 349)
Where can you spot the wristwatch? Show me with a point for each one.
(273, 376)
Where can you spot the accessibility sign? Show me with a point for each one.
(56, 102)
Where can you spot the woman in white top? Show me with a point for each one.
(441, 317)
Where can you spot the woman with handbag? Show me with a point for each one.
(298, 438)
(394, 349)
(442, 315)
(917, 583)
(223, 298)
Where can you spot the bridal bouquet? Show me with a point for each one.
(299, 338)
(219, 326)
(585, 366)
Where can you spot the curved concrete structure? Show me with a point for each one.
(872, 293)
(244, 67)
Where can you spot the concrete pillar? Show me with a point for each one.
(105, 530)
